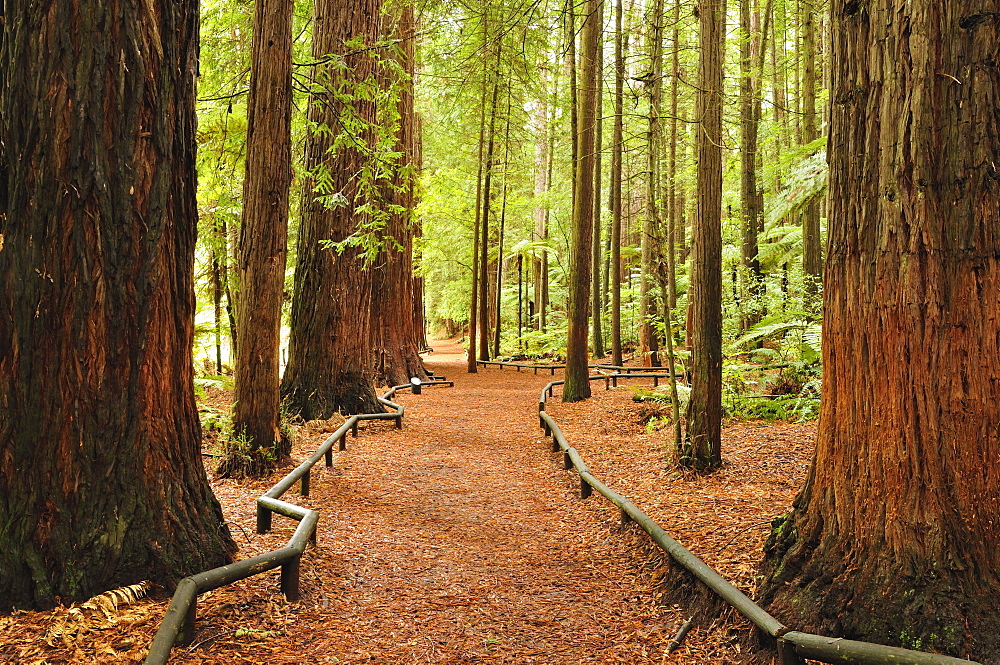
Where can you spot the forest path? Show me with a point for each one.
(458, 539)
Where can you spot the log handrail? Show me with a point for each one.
(619, 369)
(178, 623)
(793, 646)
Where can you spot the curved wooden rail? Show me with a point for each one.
(178, 624)
(793, 646)
(618, 369)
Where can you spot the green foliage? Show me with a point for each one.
(242, 459)
(791, 393)
(802, 339)
(805, 181)
(792, 408)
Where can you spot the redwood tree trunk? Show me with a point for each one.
(101, 479)
(812, 253)
(596, 300)
(577, 387)
(750, 195)
(702, 449)
(484, 222)
(896, 537)
(648, 344)
(392, 299)
(617, 151)
(262, 247)
(330, 360)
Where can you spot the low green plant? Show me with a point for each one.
(801, 407)
(213, 419)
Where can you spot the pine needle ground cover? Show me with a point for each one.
(460, 539)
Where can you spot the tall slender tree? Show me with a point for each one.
(895, 537)
(751, 197)
(541, 232)
(702, 448)
(812, 253)
(262, 246)
(617, 151)
(471, 356)
(648, 345)
(102, 482)
(484, 224)
(596, 303)
(577, 386)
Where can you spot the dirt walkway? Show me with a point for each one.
(455, 540)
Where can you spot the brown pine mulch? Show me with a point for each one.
(460, 540)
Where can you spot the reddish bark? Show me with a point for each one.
(330, 359)
(262, 246)
(101, 478)
(895, 537)
(394, 320)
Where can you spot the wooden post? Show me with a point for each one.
(290, 579)
(263, 519)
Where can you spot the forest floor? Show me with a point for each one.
(460, 539)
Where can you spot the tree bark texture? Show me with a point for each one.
(812, 253)
(397, 337)
(617, 151)
(750, 195)
(262, 247)
(596, 304)
(101, 478)
(895, 537)
(419, 318)
(484, 223)
(541, 233)
(673, 218)
(648, 345)
(577, 387)
(702, 448)
(330, 357)
(471, 366)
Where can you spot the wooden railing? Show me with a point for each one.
(793, 646)
(178, 624)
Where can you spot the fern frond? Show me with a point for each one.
(813, 336)
(72, 624)
(764, 331)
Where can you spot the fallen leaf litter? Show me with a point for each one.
(460, 539)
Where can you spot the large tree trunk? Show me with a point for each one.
(577, 387)
(330, 360)
(392, 299)
(702, 449)
(262, 247)
(896, 535)
(101, 480)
